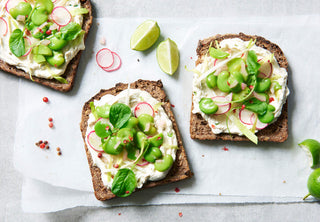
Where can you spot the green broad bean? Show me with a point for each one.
(156, 140)
(146, 124)
(234, 65)
(141, 140)
(39, 15)
(112, 146)
(56, 43)
(208, 106)
(152, 154)
(211, 81)
(102, 129)
(241, 95)
(39, 59)
(103, 111)
(56, 60)
(276, 86)
(47, 4)
(268, 117)
(235, 81)
(132, 123)
(23, 8)
(262, 85)
(44, 50)
(222, 82)
(125, 135)
(164, 164)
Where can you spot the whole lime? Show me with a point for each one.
(314, 184)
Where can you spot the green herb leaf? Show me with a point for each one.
(119, 115)
(252, 63)
(16, 43)
(93, 110)
(60, 79)
(79, 11)
(170, 134)
(124, 183)
(218, 53)
(250, 135)
(70, 31)
(256, 106)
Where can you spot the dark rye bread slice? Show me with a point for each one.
(71, 69)
(180, 169)
(276, 132)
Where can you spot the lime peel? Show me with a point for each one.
(145, 35)
(312, 148)
(168, 56)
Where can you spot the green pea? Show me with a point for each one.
(152, 154)
(131, 150)
(235, 81)
(23, 8)
(140, 140)
(125, 135)
(47, 4)
(207, 106)
(164, 164)
(268, 116)
(103, 111)
(211, 80)
(56, 43)
(102, 129)
(222, 81)
(262, 85)
(146, 124)
(156, 140)
(112, 146)
(241, 95)
(39, 15)
(132, 123)
(276, 86)
(56, 60)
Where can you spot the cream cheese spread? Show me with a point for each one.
(235, 47)
(26, 63)
(132, 97)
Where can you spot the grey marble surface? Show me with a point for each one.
(11, 181)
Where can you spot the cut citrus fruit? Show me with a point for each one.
(145, 35)
(314, 184)
(312, 147)
(168, 56)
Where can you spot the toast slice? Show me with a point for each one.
(275, 132)
(71, 70)
(180, 169)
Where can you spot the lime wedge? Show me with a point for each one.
(314, 184)
(312, 147)
(168, 56)
(145, 35)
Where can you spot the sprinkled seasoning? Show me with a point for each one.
(45, 99)
(180, 214)
(172, 105)
(271, 99)
(115, 165)
(225, 148)
(50, 124)
(50, 119)
(99, 155)
(177, 190)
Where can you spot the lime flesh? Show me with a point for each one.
(168, 56)
(145, 35)
(312, 147)
(314, 183)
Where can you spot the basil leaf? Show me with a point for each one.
(60, 79)
(256, 106)
(16, 43)
(252, 63)
(218, 53)
(70, 31)
(124, 183)
(119, 115)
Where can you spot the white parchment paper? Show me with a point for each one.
(267, 170)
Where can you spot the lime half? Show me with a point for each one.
(314, 184)
(145, 35)
(168, 56)
(312, 148)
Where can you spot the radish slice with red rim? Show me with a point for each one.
(116, 63)
(243, 86)
(61, 16)
(245, 116)
(223, 102)
(28, 41)
(94, 141)
(259, 97)
(105, 58)
(12, 3)
(144, 163)
(143, 108)
(3, 27)
(259, 124)
(266, 70)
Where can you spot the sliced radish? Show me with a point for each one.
(234, 84)
(45, 42)
(243, 86)
(54, 1)
(3, 27)
(259, 97)
(105, 58)
(243, 70)
(116, 63)
(144, 163)
(223, 102)
(266, 70)
(12, 3)
(143, 108)
(94, 141)
(215, 62)
(245, 116)
(61, 16)
(28, 41)
(259, 124)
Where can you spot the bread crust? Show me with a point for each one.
(72, 67)
(275, 132)
(180, 169)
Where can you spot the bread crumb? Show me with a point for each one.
(219, 194)
(284, 181)
(202, 155)
(103, 41)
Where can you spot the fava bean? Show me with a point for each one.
(164, 164)
(56, 60)
(125, 135)
(112, 146)
(103, 111)
(211, 80)
(262, 85)
(146, 124)
(241, 95)
(39, 15)
(23, 8)
(222, 81)
(268, 116)
(234, 65)
(156, 140)
(132, 123)
(235, 81)
(47, 4)
(207, 106)
(141, 140)
(152, 154)
(56, 43)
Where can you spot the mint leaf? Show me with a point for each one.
(119, 115)
(70, 31)
(124, 183)
(252, 63)
(16, 43)
(218, 53)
